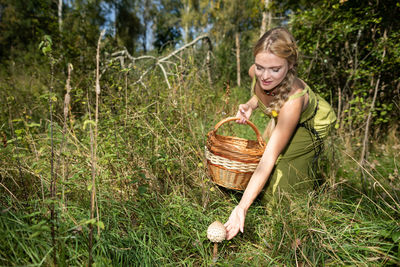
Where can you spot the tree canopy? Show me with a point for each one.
(342, 42)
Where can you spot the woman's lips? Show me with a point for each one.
(266, 82)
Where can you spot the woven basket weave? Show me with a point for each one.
(231, 161)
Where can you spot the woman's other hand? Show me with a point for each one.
(235, 222)
(244, 113)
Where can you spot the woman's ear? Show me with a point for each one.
(251, 71)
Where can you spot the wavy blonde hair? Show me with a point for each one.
(280, 42)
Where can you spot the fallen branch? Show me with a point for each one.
(201, 37)
(120, 55)
(165, 74)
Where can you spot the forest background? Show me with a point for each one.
(105, 106)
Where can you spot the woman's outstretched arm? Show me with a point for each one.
(287, 121)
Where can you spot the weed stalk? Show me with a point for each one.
(93, 146)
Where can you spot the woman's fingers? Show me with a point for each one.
(232, 233)
(235, 222)
(242, 119)
(243, 108)
(231, 230)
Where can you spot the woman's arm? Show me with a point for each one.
(288, 119)
(287, 122)
(245, 110)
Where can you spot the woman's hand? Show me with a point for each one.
(244, 113)
(235, 222)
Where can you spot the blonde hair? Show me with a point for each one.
(280, 42)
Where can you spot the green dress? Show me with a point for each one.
(294, 171)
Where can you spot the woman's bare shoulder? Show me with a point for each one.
(297, 87)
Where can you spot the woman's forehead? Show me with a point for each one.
(268, 59)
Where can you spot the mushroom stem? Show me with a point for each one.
(215, 251)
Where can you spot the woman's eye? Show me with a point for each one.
(275, 70)
(258, 68)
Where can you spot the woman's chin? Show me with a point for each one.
(267, 87)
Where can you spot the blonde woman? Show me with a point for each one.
(300, 120)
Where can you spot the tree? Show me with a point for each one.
(194, 17)
(127, 24)
(266, 17)
(23, 24)
(82, 20)
(167, 24)
(148, 10)
(59, 14)
(235, 20)
(343, 45)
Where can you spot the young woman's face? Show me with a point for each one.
(270, 70)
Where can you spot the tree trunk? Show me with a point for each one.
(186, 26)
(60, 5)
(145, 37)
(146, 20)
(237, 41)
(266, 18)
(269, 17)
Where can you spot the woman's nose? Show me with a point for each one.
(265, 75)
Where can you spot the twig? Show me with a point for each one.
(67, 100)
(380, 185)
(141, 77)
(9, 192)
(363, 157)
(16, 147)
(53, 187)
(165, 75)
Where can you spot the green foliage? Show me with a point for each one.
(167, 31)
(23, 23)
(349, 49)
(127, 25)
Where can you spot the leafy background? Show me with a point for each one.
(118, 177)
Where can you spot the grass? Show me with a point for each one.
(169, 231)
(155, 199)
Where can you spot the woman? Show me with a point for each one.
(300, 120)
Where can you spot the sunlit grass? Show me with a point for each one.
(155, 199)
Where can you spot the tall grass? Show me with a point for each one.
(155, 199)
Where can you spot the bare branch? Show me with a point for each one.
(205, 36)
(143, 74)
(120, 55)
(165, 74)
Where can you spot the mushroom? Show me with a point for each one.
(216, 232)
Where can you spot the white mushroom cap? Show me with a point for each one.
(216, 232)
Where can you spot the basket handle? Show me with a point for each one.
(259, 137)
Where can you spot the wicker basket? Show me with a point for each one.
(232, 160)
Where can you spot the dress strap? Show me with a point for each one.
(300, 94)
(260, 103)
(253, 84)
